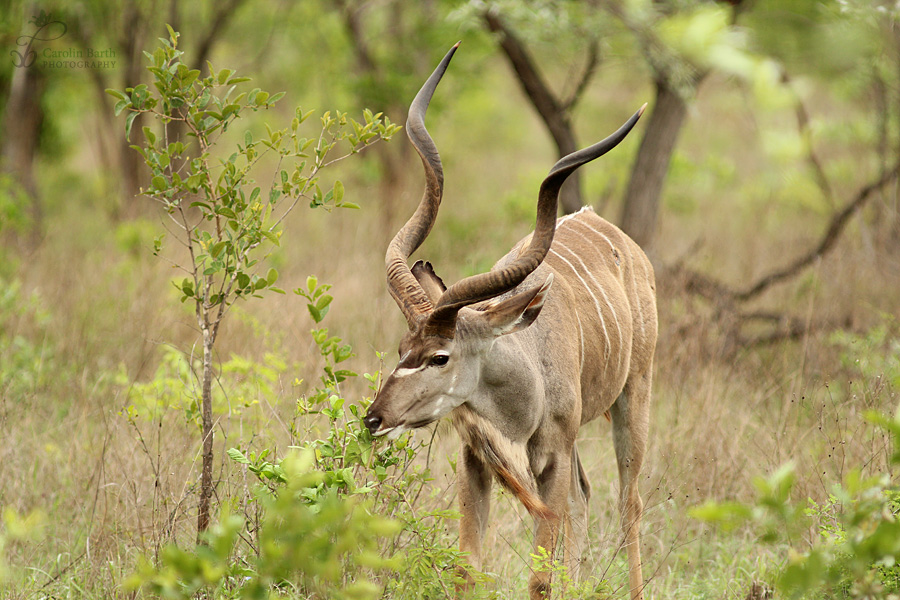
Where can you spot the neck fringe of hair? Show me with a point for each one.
(506, 459)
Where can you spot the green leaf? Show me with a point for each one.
(338, 192)
(342, 353)
(237, 456)
(271, 237)
(324, 301)
(187, 286)
(116, 94)
(316, 314)
(158, 183)
(190, 77)
(341, 374)
(129, 121)
(272, 276)
(224, 75)
(198, 204)
(173, 35)
(217, 248)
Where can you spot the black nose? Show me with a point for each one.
(372, 422)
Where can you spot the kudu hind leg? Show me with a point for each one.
(576, 518)
(630, 419)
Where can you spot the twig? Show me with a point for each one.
(593, 61)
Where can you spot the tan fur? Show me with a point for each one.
(602, 315)
(573, 342)
(561, 331)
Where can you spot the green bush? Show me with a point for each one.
(312, 531)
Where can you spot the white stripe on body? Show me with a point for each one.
(593, 297)
(581, 337)
(640, 310)
(612, 310)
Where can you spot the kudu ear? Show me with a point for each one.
(517, 312)
(428, 279)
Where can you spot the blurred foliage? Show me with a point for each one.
(18, 529)
(308, 549)
(874, 355)
(241, 384)
(855, 551)
(28, 361)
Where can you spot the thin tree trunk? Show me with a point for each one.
(21, 132)
(641, 206)
(206, 484)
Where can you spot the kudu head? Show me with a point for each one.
(441, 354)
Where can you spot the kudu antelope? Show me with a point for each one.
(560, 331)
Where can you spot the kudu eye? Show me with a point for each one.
(440, 359)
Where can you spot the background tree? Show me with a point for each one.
(23, 113)
(554, 111)
(675, 78)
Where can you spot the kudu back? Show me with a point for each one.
(560, 331)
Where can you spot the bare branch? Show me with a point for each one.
(720, 293)
(593, 61)
(223, 14)
(803, 129)
(353, 24)
(553, 112)
(828, 241)
(545, 102)
(785, 327)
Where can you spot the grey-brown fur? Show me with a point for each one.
(560, 331)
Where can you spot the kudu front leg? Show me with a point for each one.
(553, 485)
(474, 506)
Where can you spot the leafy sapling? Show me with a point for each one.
(226, 221)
